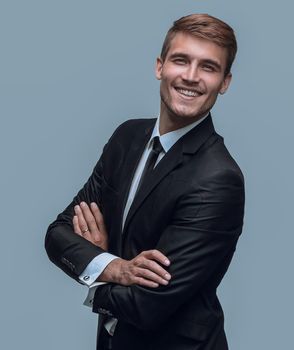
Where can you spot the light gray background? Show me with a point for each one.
(70, 72)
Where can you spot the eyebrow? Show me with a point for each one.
(206, 60)
(179, 54)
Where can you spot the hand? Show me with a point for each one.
(89, 223)
(144, 270)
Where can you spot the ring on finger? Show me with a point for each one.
(85, 230)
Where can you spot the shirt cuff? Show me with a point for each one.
(95, 268)
(91, 293)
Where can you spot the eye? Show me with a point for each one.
(208, 68)
(180, 61)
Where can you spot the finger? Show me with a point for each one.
(89, 219)
(76, 225)
(98, 217)
(155, 268)
(156, 255)
(145, 282)
(151, 276)
(82, 222)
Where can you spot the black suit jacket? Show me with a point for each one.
(190, 208)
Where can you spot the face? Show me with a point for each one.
(192, 75)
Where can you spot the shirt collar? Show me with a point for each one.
(170, 138)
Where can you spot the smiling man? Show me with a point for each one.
(159, 218)
(192, 73)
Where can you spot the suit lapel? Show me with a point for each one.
(134, 155)
(188, 144)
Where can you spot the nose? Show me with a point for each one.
(191, 74)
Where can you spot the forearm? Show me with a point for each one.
(70, 252)
(149, 308)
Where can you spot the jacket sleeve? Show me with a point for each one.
(67, 250)
(199, 242)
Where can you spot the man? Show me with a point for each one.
(170, 203)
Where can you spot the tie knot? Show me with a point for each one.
(157, 147)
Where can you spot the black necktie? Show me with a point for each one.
(151, 160)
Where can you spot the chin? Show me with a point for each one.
(184, 114)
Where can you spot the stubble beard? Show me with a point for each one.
(179, 119)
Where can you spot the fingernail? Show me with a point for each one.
(93, 204)
(165, 282)
(166, 262)
(167, 276)
(77, 207)
(83, 204)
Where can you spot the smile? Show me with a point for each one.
(189, 93)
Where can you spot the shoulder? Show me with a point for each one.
(213, 173)
(133, 126)
(215, 160)
(130, 132)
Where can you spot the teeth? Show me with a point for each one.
(188, 92)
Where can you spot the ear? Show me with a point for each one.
(158, 68)
(226, 83)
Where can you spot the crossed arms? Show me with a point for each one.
(199, 243)
(144, 269)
